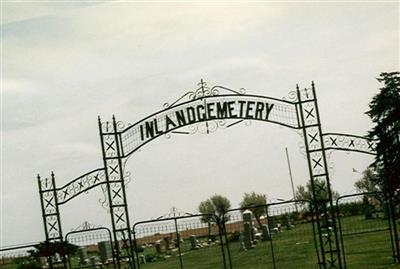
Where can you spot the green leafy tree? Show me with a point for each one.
(369, 181)
(47, 249)
(26, 263)
(254, 202)
(384, 111)
(215, 206)
(213, 210)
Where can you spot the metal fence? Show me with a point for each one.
(17, 256)
(364, 229)
(95, 250)
(179, 242)
(276, 235)
(279, 236)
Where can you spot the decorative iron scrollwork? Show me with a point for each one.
(104, 200)
(122, 125)
(80, 185)
(347, 142)
(203, 91)
(85, 226)
(291, 96)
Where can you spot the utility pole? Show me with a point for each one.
(291, 177)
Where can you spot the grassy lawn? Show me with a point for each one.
(292, 249)
(367, 245)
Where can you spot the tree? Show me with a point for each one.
(384, 111)
(369, 181)
(47, 249)
(215, 206)
(254, 202)
(305, 193)
(213, 210)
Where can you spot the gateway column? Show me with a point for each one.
(112, 157)
(328, 244)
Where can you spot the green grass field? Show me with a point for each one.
(292, 249)
(367, 245)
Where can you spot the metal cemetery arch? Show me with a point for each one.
(204, 110)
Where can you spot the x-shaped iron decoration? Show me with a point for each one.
(119, 217)
(313, 137)
(309, 113)
(333, 141)
(317, 162)
(113, 169)
(110, 145)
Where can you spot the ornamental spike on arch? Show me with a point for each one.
(204, 110)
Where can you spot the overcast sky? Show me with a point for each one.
(65, 63)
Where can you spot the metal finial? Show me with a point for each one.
(202, 83)
(38, 176)
(52, 174)
(297, 87)
(312, 84)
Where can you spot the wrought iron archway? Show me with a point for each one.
(205, 110)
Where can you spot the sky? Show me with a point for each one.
(66, 63)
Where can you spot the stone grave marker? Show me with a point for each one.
(105, 251)
(193, 242)
(82, 253)
(241, 243)
(266, 236)
(168, 242)
(159, 248)
(142, 259)
(248, 232)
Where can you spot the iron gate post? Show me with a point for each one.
(51, 215)
(114, 172)
(271, 244)
(178, 239)
(329, 251)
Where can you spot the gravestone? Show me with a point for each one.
(178, 240)
(93, 261)
(159, 248)
(248, 243)
(82, 253)
(193, 242)
(168, 241)
(287, 222)
(57, 257)
(248, 232)
(247, 216)
(241, 243)
(105, 251)
(266, 236)
(142, 259)
(43, 261)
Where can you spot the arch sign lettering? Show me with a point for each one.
(204, 110)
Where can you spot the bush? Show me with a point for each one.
(139, 248)
(153, 257)
(26, 263)
(232, 237)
